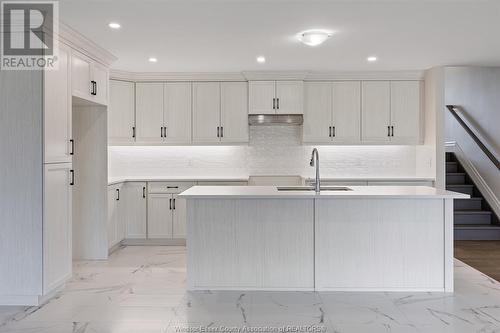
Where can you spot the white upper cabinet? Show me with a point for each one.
(346, 112)
(90, 80)
(271, 97)
(332, 112)
(234, 112)
(289, 97)
(405, 111)
(149, 112)
(121, 112)
(317, 112)
(58, 143)
(177, 112)
(206, 112)
(376, 111)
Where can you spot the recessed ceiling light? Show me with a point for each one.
(261, 59)
(153, 59)
(314, 37)
(371, 59)
(114, 25)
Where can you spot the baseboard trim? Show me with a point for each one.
(30, 300)
(159, 241)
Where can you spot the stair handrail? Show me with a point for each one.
(453, 110)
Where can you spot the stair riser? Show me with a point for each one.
(477, 234)
(472, 219)
(451, 168)
(455, 179)
(467, 204)
(466, 190)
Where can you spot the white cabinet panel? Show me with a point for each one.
(149, 112)
(289, 97)
(376, 111)
(81, 75)
(114, 216)
(177, 113)
(179, 217)
(159, 215)
(234, 113)
(134, 197)
(317, 112)
(57, 225)
(57, 110)
(261, 97)
(121, 112)
(206, 112)
(405, 111)
(346, 112)
(100, 76)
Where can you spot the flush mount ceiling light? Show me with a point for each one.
(114, 25)
(152, 59)
(371, 59)
(314, 37)
(261, 59)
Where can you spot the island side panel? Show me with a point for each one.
(448, 245)
(250, 244)
(380, 244)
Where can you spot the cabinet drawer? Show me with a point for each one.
(222, 183)
(169, 187)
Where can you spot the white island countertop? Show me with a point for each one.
(419, 192)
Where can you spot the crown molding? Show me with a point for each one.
(175, 76)
(365, 75)
(274, 75)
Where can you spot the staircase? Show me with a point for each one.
(473, 218)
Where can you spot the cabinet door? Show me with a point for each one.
(179, 217)
(159, 215)
(177, 116)
(149, 112)
(290, 97)
(376, 111)
(121, 115)
(80, 75)
(405, 111)
(261, 95)
(100, 75)
(57, 224)
(234, 112)
(317, 112)
(113, 215)
(346, 112)
(206, 112)
(57, 111)
(134, 199)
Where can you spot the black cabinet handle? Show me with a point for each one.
(333, 131)
(277, 103)
(165, 132)
(144, 192)
(218, 131)
(93, 87)
(72, 143)
(221, 133)
(161, 131)
(392, 130)
(133, 131)
(72, 174)
(329, 131)
(170, 200)
(117, 194)
(173, 201)
(172, 186)
(274, 103)
(388, 130)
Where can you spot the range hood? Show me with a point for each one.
(275, 119)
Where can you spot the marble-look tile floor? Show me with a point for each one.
(143, 290)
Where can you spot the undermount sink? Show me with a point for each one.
(311, 188)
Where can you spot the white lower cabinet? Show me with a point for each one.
(178, 217)
(159, 215)
(134, 198)
(114, 215)
(57, 225)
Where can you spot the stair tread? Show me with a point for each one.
(451, 162)
(473, 212)
(474, 198)
(455, 173)
(460, 185)
(477, 226)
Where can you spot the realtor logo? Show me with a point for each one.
(27, 36)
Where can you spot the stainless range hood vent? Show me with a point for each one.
(275, 119)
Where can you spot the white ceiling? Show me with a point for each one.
(226, 36)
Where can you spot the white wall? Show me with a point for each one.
(272, 150)
(477, 90)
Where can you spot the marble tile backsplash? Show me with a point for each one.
(273, 150)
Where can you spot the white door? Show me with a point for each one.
(134, 199)
(159, 215)
(177, 116)
(206, 112)
(57, 225)
(234, 111)
(121, 112)
(179, 217)
(261, 96)
(113, 215)
(376, 111)
(405, 111)
(80, 75)
(149, 112)
(57, 111)
(290, 97)
(346, 112)
(100, 76)
(317, 112)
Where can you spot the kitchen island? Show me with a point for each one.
(360, 238)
